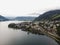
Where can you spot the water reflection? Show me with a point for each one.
(18, 37)
(34, 40)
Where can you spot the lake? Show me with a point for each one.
(9, 36)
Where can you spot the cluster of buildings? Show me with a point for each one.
(50, 25)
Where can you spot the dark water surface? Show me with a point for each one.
(17, 37)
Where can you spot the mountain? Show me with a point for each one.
(3, 18)
(50, 15)
(10, 17)
(25, 18)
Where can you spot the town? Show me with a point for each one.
(50, 29)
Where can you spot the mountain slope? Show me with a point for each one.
(25, 18)
(3, 18)
(50, 15)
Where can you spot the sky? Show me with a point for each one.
(27, 7)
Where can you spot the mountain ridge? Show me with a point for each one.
(2, 18)
(49, 15)
(25, 18)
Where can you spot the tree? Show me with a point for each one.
(58, 30)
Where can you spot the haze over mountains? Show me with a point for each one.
(23, 18)
(50, 15)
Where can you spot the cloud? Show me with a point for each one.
(25, 7)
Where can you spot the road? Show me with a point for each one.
(55, 37)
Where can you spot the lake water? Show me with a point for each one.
(10, 36)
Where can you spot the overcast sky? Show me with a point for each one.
(27, 7)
